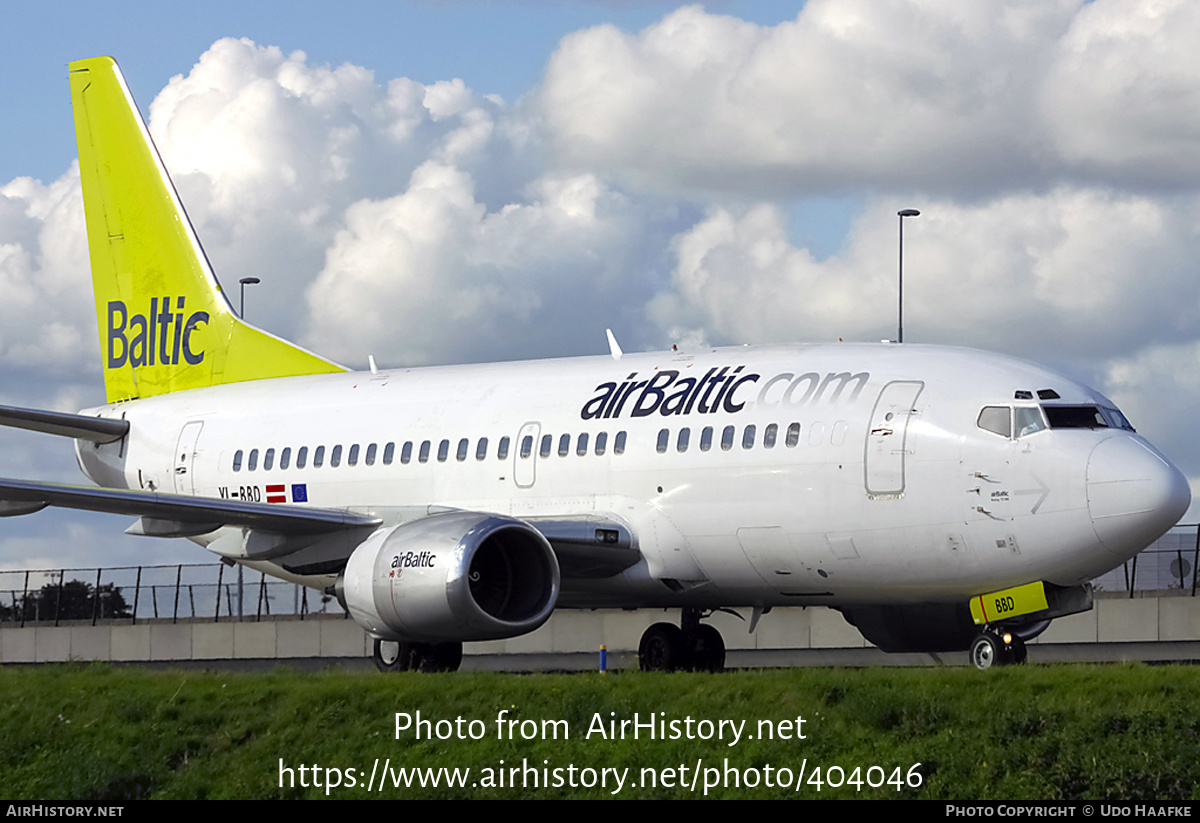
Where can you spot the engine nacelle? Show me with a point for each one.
(456, 576)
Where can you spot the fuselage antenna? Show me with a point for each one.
(613, 346)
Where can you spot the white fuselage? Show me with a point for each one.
(880, 485)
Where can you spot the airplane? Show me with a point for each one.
(940, 498)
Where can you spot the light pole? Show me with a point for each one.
(246, 281)
(900, 323)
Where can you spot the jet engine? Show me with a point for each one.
(455, 576)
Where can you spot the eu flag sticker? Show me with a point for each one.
(299, 492)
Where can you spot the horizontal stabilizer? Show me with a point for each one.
(280, 518)
(78, 426)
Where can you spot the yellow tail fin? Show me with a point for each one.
(165, 324)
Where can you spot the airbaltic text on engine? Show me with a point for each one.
(164, 325)
(715, 391)
(410, 560)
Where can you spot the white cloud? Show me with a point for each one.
(1122, 96)
(939, 95)
(1079, 273)
(944, 97)
(432, 276)
(47, 323)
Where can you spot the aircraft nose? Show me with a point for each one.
(1134, 494)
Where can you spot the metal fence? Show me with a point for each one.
(1168, 563)
(188, 592)
(216, 592)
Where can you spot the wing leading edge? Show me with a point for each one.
(177, 515)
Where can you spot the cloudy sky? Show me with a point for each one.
(447, 182)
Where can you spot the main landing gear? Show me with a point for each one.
(996, 647)
(390, 656)
(694, 647)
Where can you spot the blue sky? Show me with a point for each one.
(726, 173)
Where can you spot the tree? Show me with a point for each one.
(72, 600)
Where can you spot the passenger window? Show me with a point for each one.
(793, 435)
(664, 436)
(285, 457)
(237, 460)
(769, 435)
(997, 420)
(406, 452)
(443, 451)
(302, 457)
(269, 460)
(481, 449)
(253, 464)
(706, 439)
(581, 445)
(685, 434)
(547, 442)
(564, 445)
(335, 457)
(727, 438)
(389, 453)
(601, 443)
(619, 443)
(1028, 420)
(319, 457)
(526, 446)
(423, 454)
(464, 446)
(502, 452)
(371, 449)
(748, 437)
(352, 457)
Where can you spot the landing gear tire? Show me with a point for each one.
(989, 649)
(392, 656)
(663, 649)
(707, 649)
(986, 651)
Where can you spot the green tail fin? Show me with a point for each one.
(165, 325)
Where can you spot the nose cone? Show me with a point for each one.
(1134, 494)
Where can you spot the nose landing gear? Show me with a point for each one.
(997, 648)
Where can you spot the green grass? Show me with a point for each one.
(98, 733)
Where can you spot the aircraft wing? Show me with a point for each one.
(177, 515)
(591, 546)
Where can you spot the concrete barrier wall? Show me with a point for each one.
(1113, 620)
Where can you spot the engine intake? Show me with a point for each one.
(457, 576)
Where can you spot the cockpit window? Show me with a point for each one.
(996, 419)
(1075, 417)
(1116, 419)
(1028, 420)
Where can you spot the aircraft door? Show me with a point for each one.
(525, 455)
(185, 458)
(887, 437)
